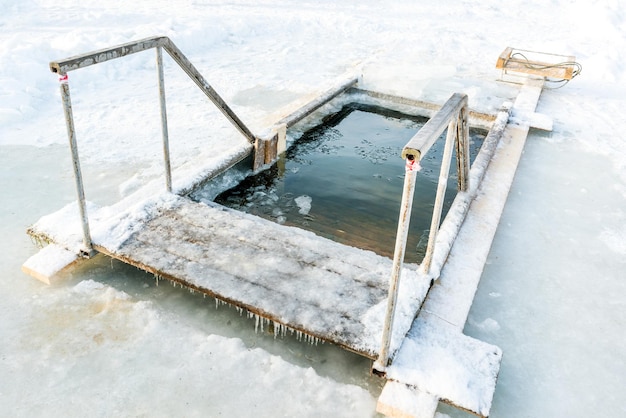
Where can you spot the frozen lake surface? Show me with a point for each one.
(106, 341)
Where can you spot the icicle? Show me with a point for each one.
(217, 303)
(256, 323)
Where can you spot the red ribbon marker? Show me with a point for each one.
(413, 165)
(63, 79)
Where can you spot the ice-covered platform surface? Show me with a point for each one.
(294, 278)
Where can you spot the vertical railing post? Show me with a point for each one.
(462, 150)
(440, 197)
(412, 167)
(164, 131)
(453, 116)
(71, 134)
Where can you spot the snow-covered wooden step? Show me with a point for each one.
(440, 361)
(48, 262)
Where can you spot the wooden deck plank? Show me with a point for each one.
(49, 262)
(285, 274)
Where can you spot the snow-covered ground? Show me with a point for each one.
(106, 341)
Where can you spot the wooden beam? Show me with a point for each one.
(504, 57)
(259, 153)
(48, 262)
(537, 63)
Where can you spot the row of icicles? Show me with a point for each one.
(259, 321)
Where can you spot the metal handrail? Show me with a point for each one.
(62, 67)
(454, 116)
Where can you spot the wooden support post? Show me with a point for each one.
(281, 131)
(259, 154)
(271, 149)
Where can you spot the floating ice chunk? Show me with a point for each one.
(88, 286)
(304, 204)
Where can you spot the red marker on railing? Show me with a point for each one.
(63, 79)
(413, 165)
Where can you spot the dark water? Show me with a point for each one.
(350, 171)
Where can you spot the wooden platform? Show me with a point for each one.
(298, 280)
(329, 291)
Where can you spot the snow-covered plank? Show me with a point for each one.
(439, 360)
(290, 276)
(398, 400)
(48, 262)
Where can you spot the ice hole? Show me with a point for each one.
(343, 179)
